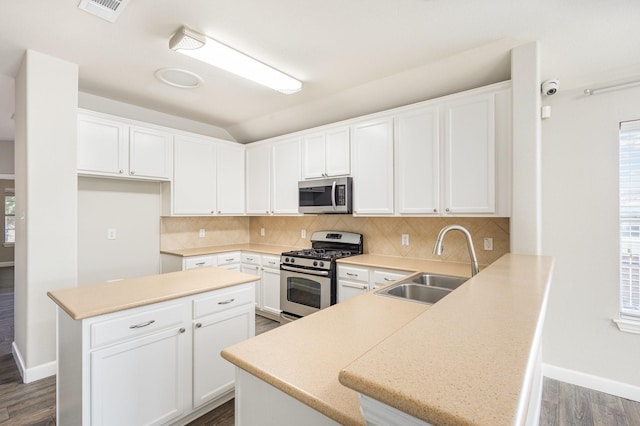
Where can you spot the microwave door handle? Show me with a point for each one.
(333, 195)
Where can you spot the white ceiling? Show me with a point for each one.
(353, 56)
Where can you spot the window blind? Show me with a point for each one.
(630, 219)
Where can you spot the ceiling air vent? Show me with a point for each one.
(106, 9)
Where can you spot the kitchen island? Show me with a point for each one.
(472, 358)
(147, 350)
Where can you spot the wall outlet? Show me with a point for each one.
(303, 233)
(488, 243)
(262, 232)
(111, 233)
(405, 239)
(201, 233)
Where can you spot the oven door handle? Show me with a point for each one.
(333, 195)
(305, 271)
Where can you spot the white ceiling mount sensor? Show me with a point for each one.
(109, 10)
(179, 78)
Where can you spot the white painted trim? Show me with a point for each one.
(35, 373)
(9, 177)
(5, 264)
(601, 384)
(630, 326)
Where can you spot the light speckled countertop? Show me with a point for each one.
(98, 299)
(258, 248)
(409, 264)
(467, 355)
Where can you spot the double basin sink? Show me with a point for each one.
(425, 288)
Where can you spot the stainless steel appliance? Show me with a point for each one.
(308, 279)
(325, 196)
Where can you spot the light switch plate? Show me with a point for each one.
(111, 233)
(303, 233)
(201, 233)
(488, 243)
(405, 239)
(262, 232)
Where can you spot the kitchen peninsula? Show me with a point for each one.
(472, 358)
(146, 350)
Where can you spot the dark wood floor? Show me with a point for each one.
(33, 404)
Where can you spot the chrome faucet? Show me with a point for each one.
(438, 248)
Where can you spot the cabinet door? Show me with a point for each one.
(258, 196)
(140, 382)
(373, 167)
(230, 181)
(254, 270)
(347, 290)
(102, 146)
(417, 142)
(337, 152)
(313, 156)
(149, 153)
(285, 169)
(213, 375)
(271, 290)
(194, 176)
(470, 155)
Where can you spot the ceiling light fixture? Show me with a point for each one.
(212, 52)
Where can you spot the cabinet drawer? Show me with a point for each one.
(222, 300)
(353, 274)
(136, 325)
(251, 259)
(382, 277)
(271, 262)
(199, 262)
(228, 258)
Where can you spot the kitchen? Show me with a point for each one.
(563, 159)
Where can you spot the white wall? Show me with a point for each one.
(46, 205)
(109, 106)
(580, 229)
(6, 158)
(130, 207)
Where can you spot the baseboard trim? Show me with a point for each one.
(34, 373)
(5, 264)
(601, 384)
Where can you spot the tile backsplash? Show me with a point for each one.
(382, 235)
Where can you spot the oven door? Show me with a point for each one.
(303, 292)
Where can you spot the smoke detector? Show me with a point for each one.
(109, 10)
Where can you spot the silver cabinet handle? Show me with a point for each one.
(199, 325)
(200, 263)
(249, 258)
(226, 302)
(435, 210)
(447, 210)
(351, 275)
(132, 172)
(121, 171)
(229, 260)
(271, 262)
(144, 324)
(388, 279)
(182, 330)
(219, 211)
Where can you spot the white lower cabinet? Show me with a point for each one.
(152, 365)
(354, 281)
(212, 375)
(271, 290)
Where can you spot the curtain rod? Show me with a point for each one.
(590, 92)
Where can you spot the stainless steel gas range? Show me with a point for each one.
(308, 280)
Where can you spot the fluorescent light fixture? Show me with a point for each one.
(214, 53)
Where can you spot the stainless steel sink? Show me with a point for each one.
(444, 281)
(425, 288)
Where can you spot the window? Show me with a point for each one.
(9, 216)
(630, 220)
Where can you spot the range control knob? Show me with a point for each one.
(321, 264)
(293, 260)
(286, 259)
(315, 263)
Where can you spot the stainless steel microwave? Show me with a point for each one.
(325, 196)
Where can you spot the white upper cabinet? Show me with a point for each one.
(258, 188)
(208, 177)
(230, 179)
(469, 155)
(285, 172)
(326, 154)
(113, 148)
(372, 164)
(417, 149)
(194, 176)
